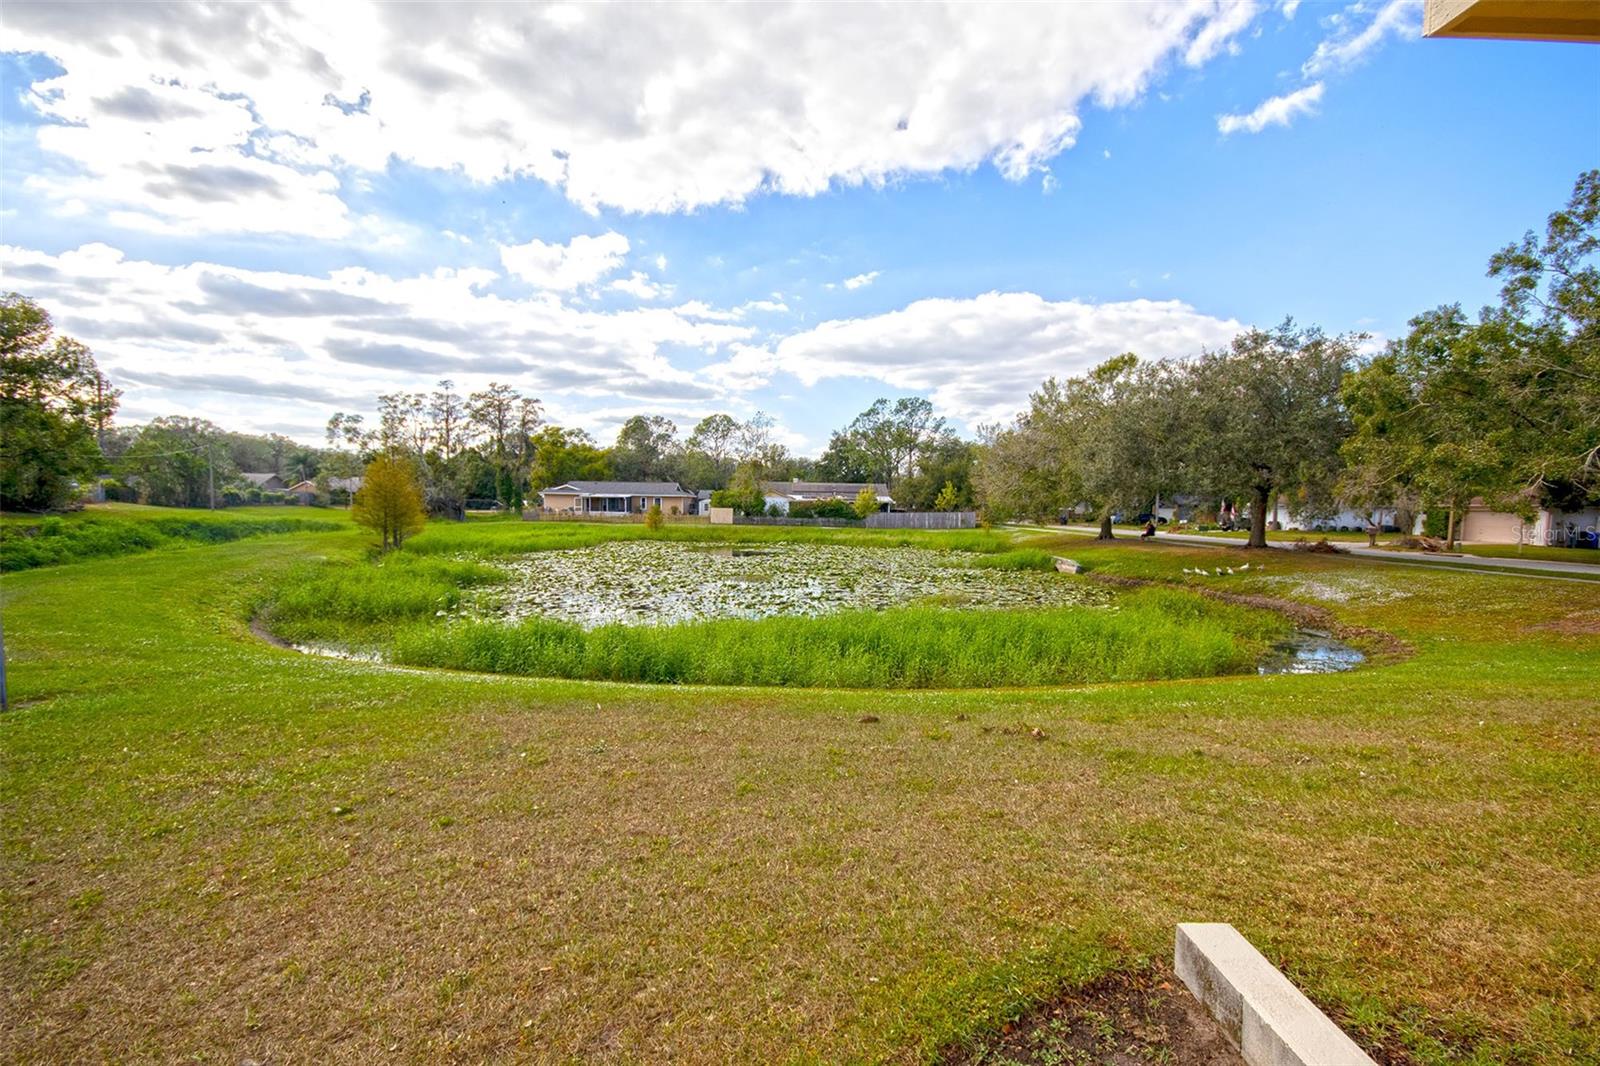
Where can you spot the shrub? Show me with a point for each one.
(822, 509)
(653, 518)
(866, 502)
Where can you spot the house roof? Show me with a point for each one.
(348, 484)
(824, 490)
(619, 488)
(303, 486)
(259, 479)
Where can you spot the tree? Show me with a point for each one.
(653, 519)
(505, 419)
(1268, 417)
(1424, 422)
(643, 445)
(1544, 368)
(714, 436)
(179, 462)
(55, 405)
(389, 501)
(947, 500)
(866, 501)
(743, 493)
(1113, 439)
(560, 455)
(949, 461)
(888, 443)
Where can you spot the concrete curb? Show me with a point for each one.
(1268, 1019)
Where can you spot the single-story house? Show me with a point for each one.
(602, 498)
(265, 482)
(702, 502)
(1343, 518)
(782, 493)
(307, 490)
(1481, 524)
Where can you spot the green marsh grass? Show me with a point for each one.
(30, 541)
(1154, 634)
(1016, 559)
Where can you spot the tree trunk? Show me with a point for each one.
(1258, 520)
(1105, 528)
(1450, 531)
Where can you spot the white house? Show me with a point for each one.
(1481, 524)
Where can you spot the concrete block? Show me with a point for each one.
(1270, 1020)
(1067, 566)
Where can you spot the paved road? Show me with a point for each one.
(1529, 567)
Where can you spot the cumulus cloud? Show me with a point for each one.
(1275, 111)
(978, 358)
(861, 281)
(640, 286)
(251, 116)
(234, 345)
(564, 267)
(1354, 39)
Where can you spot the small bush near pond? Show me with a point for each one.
(1153, 634)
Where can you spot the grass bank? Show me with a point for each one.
(214, 849)
(29, 541)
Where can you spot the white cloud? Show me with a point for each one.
(861, 281)
(618, 106)
(1287, 8)
(564, 267)
(1399, 18)
(639, 285)
(1218, 34)
(1276, 111)
(661, 262)
(978, 358)
(253, 348)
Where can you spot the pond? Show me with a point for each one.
(1310, 651)
(655, 583)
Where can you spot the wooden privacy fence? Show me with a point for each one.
(923, 520)
(768, 520)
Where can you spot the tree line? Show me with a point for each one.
(1505, 407)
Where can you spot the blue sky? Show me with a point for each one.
(237, 236)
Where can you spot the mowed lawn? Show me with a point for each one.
(219, 850)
